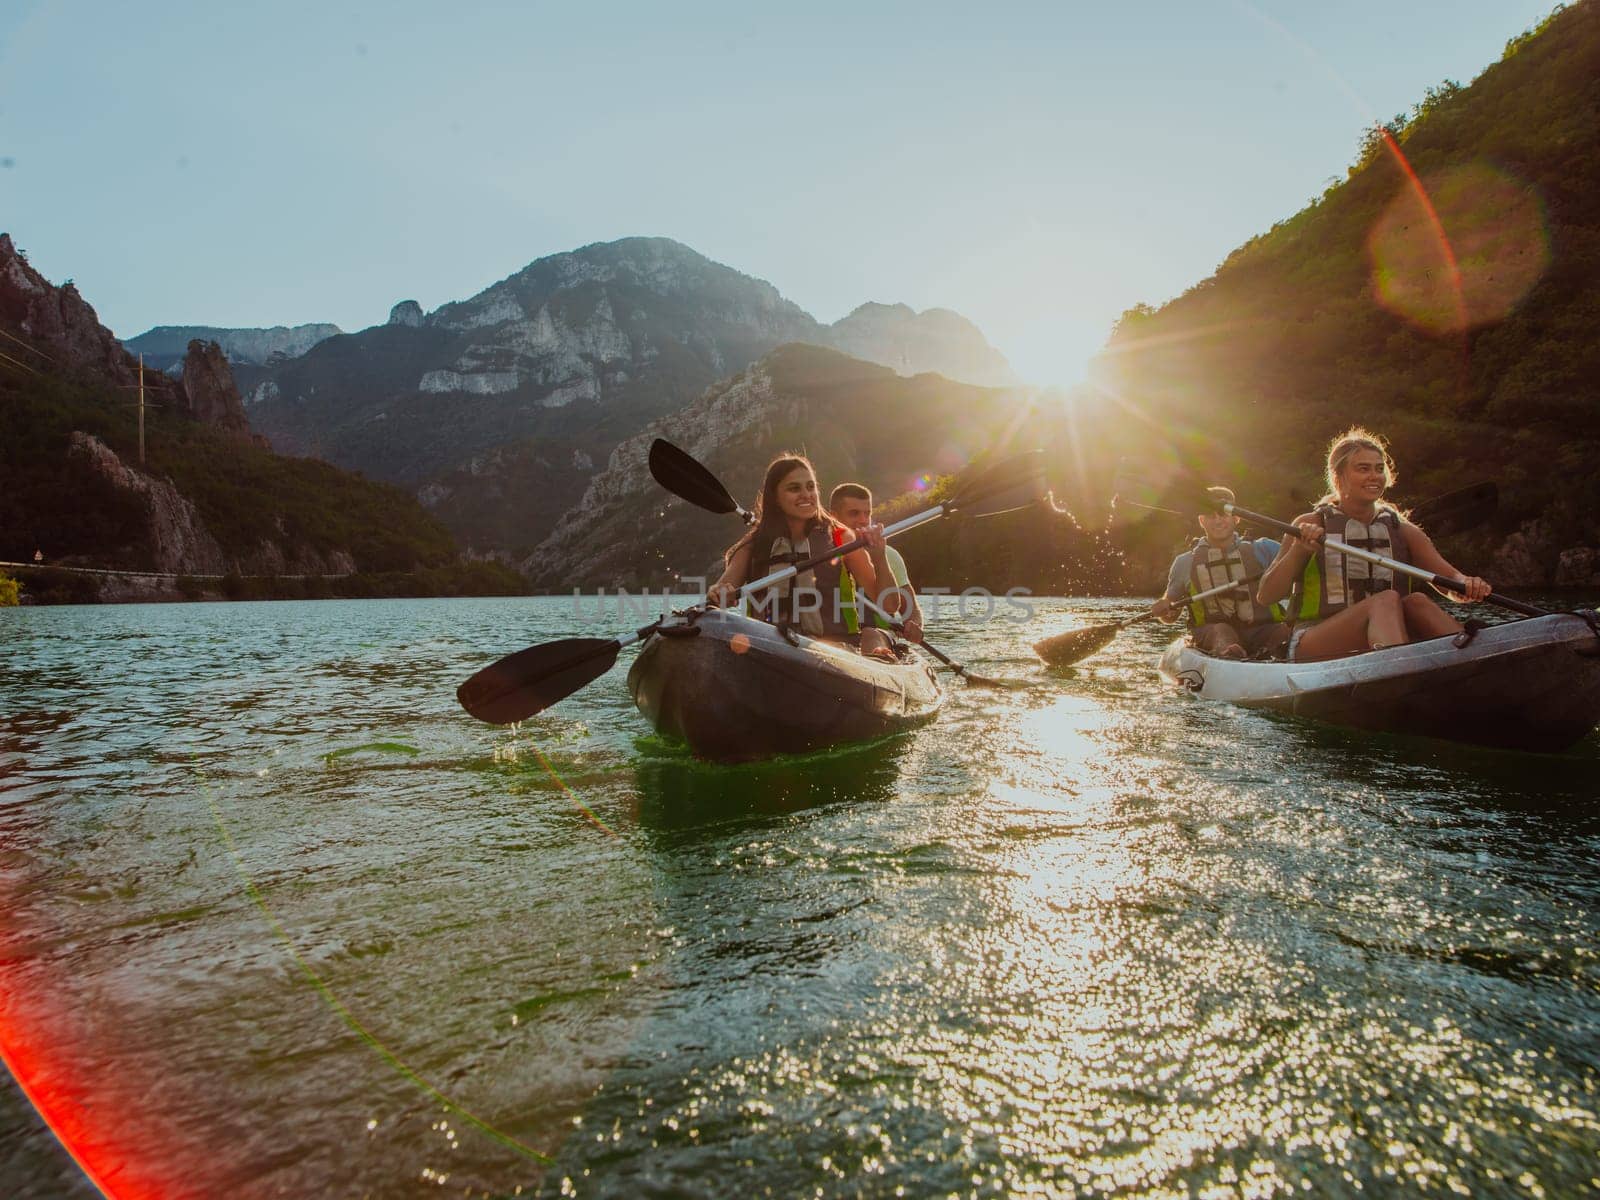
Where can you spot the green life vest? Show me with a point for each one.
(847, 592)
(1322, 590)
(1211, 567)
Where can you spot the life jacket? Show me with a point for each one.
(1211, 568)
(847, 596)
(1322, 590)
(821, 614)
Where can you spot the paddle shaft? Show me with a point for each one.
(899, 626)
(1439, 581)
(889, 531)
(971, 677)
(1231, 585)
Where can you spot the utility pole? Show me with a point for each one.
(141, 410)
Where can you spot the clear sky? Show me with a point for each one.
(1036, 167)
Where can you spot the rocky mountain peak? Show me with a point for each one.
(56, 323)
(407, 313)
(935, 339)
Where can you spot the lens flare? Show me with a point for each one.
(1458, 249)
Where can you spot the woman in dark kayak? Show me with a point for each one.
(792, 525)
(1343, 605)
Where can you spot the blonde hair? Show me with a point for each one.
(1340, 451)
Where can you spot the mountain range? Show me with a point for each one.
(496, 410)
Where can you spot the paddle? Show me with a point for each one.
(681, 475)
(678, 472)
(523, 684)
(1452, 512)
(1010, 484)
(519, 685)
(1064, 649)
(971, 677)
(1204, 500)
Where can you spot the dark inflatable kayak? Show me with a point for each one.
(735, 689)
(1526, 685)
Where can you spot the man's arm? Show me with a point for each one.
(912, 619)
(1170, 607)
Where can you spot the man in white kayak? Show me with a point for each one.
(851, 505)
(1233, 624)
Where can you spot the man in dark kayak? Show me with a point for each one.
(851, 505)
(1233, 624)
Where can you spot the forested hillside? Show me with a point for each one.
(1446, 293)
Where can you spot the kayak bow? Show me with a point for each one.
(737, 689)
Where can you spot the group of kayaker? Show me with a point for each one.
(792, 526)
(1296, 598)
(1293, 599)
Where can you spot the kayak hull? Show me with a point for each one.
(1523, 685)
(736, 690)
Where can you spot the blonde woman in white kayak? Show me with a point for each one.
(1340, 604)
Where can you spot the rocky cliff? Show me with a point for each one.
(211, 394)
(57, 330)
(856, 420)
(196, 494)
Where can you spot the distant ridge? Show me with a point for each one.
(165, 345)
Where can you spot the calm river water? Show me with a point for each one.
(278, 919)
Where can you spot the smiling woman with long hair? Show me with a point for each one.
(792, 526)
(1342, 605)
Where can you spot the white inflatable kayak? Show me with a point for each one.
(1528, 685)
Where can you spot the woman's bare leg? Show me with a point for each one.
(1374, 623)
(1425, 619)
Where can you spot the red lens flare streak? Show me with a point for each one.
(103, 1150)
(1446, 250)
(29, 1061)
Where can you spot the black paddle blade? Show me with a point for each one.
(1457, 511)
(530, 681)
(1141, 491)
(1064, 649)
(1010, 484)
(680, 474)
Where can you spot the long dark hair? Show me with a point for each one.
(770, 522)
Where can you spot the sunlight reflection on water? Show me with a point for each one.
(1089, 936)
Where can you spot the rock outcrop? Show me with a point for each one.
(179, 542)
(407, 313)
(1578, 566)
(1527, 558)
(212, 396)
